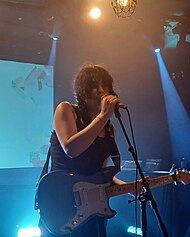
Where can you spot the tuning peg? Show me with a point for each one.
(172, 170)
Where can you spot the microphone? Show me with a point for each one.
(117, 106)
(120, 106)
(116, 110)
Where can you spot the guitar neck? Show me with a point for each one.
(131, 187)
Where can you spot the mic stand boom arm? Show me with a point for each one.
(147, 194)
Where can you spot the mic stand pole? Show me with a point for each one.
(146, 195)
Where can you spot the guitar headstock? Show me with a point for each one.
(182, 175)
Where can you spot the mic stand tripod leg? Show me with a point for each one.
(143, 198)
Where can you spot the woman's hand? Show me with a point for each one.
(108, 103)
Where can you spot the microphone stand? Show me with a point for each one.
(146, 195)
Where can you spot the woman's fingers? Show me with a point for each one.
(108, 103)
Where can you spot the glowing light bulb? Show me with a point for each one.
(95, 13)
(122, 3)
(157, 50)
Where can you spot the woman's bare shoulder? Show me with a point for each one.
(65, 107)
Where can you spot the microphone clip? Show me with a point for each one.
(117, 112)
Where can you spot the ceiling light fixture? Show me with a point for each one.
(95, 13)
(124, 8)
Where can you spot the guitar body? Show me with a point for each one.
(66, 200)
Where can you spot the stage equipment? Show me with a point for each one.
(124, 8)
(146, 195)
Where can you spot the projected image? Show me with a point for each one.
(26, 102)
(176, 29)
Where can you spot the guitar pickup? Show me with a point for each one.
(77, 198)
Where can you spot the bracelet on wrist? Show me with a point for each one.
(101, 119)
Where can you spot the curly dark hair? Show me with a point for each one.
(88, 78)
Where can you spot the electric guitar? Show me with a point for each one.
(66, 200)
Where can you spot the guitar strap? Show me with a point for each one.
(115, 155)
(44, 171)
(46, 164)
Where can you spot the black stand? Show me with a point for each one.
(146, 195)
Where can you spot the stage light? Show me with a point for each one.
(95, 13)
(124, 8)
(55, 38)
(29, 232)
(177, 116)
(157, 50)
(52, 36)
(134, 230)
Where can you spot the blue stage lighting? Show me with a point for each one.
(55, 38)
(29, 232)
(134, 230)
(177, 116)
(157, 50)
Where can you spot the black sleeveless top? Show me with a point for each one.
(89, 162)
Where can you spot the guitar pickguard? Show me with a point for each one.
(90, 200)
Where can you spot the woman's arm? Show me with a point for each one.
(72, 141)
(118, 181)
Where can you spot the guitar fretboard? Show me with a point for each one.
(130, 187)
